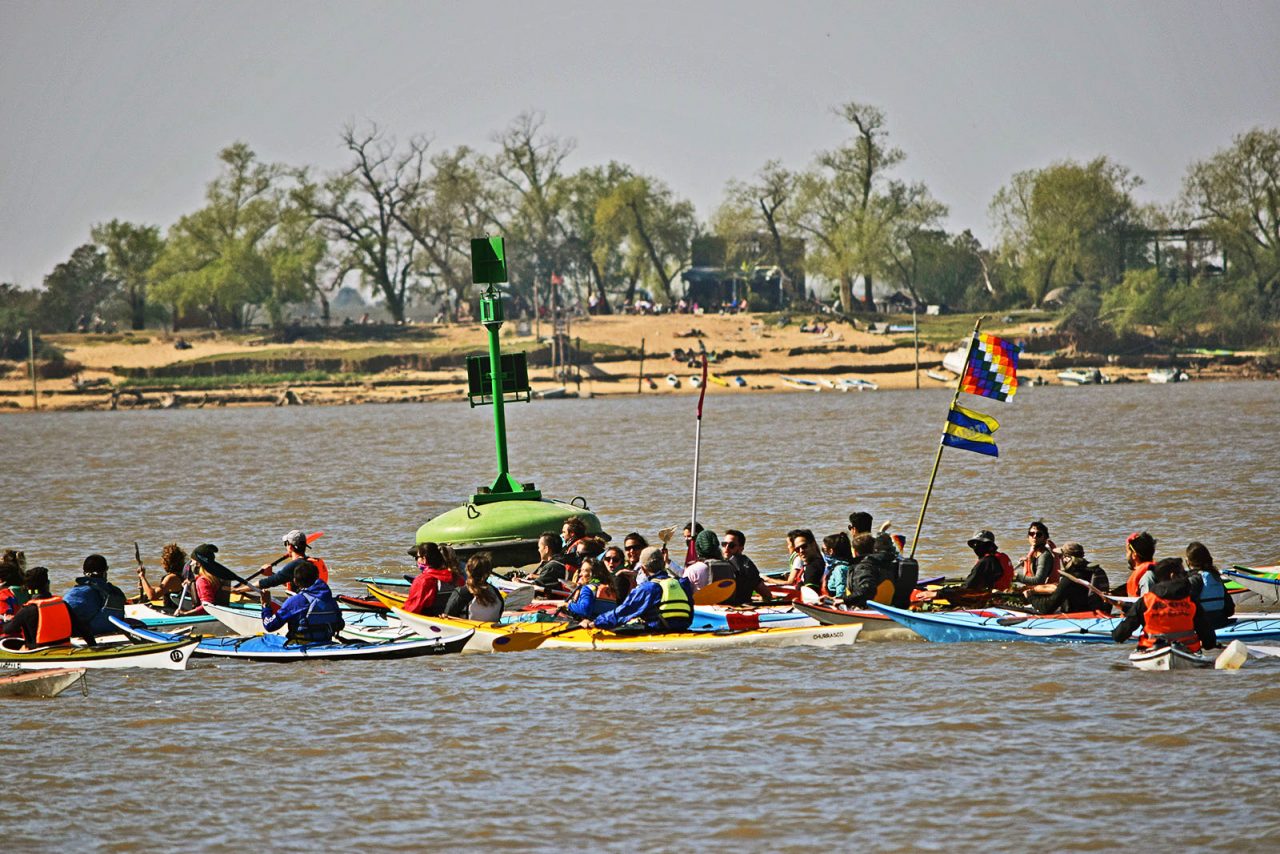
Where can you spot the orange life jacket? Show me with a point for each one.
(606, 592)
(1169, 620)
(1006, 572)
(320, 568)
(8, 603)
(1139, 570)
(53, 624)
(1029, 564)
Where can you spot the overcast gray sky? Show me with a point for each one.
(117, 109)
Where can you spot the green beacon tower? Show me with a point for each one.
(506, 517)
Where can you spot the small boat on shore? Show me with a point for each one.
(1081, 376)
(940, 376)
(801, 384)
(39, 683)
(1169, 658)
(673, 381)
(855, 384)
(1167, 375)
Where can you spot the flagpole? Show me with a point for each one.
(938, 459)
(690, 552)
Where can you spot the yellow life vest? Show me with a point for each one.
(675, 603)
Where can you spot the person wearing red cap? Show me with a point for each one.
(1140, 551)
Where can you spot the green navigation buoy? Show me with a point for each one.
(506, 517)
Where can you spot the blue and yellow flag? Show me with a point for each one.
(971, 431)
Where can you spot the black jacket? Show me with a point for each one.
(1173, 588)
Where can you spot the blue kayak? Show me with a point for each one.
(998, 624)
(277, 648)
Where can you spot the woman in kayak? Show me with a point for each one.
(594, 592)
(169, 590)
(1207, 588)
(436, 582)
(477, 599)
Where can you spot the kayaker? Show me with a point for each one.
(430, 591)
(808, 565)
(662, 603)
(593, 592)
(986, 575)
(746, 575)
(860, 523)
(573, 529)
(208, 586)
(1166, 613)
(1207, 587)
(477, 599)
(551, 572)
(1140, 551)
(295, 547)
(1042, 564)
(632, 545)
(13, 592)
(871, 578)
(94, 600)
(839, 557)
(45, 619)
(169, 590)
(618, 567)
(312, 614)
(710, 564)
(1067, 596)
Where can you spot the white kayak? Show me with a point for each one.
(247, 621)
(493, 637)
(1169, 658)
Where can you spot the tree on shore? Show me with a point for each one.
(1064, 225)
(76, 290)
(659, 227)
(763, 205)
(131, 251)
(362, 209)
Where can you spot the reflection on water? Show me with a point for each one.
(876, 746)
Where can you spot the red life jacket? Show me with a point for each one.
(1139, 570)
(1029, 564)
(1006, 572)
(1170, 620)
(53, 623)
(8, 603)
(606, 592)
(321, 568)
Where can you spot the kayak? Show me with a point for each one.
(169, 654)
(1266, 587)
(277, 648)
(875, 626)
(1169, 658)
(154, 619)
(39, 683)
(999, 624)
(247, 621)
(492, 637)
(724, 617)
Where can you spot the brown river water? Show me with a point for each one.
(878, 746)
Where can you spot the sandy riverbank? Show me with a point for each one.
(747, 346)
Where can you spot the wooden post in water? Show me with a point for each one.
(577, 364)
(31, 354)
(640, 378)
(915, 329)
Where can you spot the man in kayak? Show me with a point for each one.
(551, 571)
(295, 547)
(1167, 614)
(573, 530)
(429, 594)
(746, 574)
(1041, 565)
(1068, 596)
(871, 579)
(94, 600)
(311, 614)
(45, 619)
(989, 573)
(1140, 551)
(662, 602)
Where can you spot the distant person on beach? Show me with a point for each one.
(1207, 587)
(45, 619)
(1140, 551)
(662, 603)
(747, 578)
(477, 599)
(430, 591)
(312, 614)
(1166, 613)
(94, 600)
(295, 545)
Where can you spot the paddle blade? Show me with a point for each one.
(311, 538)
(665, 534)
(518, 641)
(715, 592)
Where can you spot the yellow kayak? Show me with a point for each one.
(494, 637)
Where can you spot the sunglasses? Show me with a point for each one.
(614, 559)
(632, 548)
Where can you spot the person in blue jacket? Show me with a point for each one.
(94, 600)
(662, 602)
(312, 613)
(593, 593)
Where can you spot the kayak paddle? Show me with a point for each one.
(311, 538)
(521, 641)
